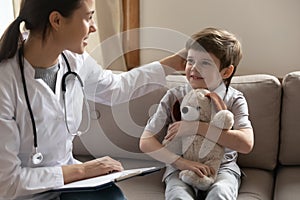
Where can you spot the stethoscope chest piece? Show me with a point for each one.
(37, 158)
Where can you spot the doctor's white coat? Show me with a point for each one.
(19, 178)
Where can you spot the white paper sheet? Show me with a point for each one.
(102, 180)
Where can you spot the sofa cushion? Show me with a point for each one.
(257, 184)
(287, 183)
(148, 187)
(263, 94)
(290, 120)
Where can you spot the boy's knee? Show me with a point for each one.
(179, 195)
(218, 191)
(179, 192)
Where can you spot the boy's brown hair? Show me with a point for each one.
(224, 45)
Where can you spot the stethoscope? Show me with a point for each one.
(37, 157)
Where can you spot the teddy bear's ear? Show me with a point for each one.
(217, 101)
(176, 111)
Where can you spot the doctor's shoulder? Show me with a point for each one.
(79, 61)
(10, 83)
(9, 70)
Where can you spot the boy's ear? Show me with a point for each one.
(227, 72)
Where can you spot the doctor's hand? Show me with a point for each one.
(101, 166)
(175, 62)
(89, 169)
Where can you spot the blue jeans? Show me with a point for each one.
(111, 192)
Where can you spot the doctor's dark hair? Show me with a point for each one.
(35, 15)
(224, 45)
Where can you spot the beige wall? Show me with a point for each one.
(268, 29)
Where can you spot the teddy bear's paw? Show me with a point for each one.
(224, 119)
(194, 180)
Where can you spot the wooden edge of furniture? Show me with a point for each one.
(131, 39)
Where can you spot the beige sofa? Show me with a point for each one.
(272, 169)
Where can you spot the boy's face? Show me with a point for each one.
(203, 70)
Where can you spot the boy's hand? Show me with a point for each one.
(199, 168)
(172, 131)
(181, 128)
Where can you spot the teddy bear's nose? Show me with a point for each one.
(185, 110)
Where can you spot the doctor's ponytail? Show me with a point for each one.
(10, 40)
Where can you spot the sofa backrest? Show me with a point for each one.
(115, 131)
(290, 120)
(263, 94)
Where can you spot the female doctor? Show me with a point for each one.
(41, 83)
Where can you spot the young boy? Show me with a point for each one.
(212, 58)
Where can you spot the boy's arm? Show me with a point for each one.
(150, 145)
(241, 140)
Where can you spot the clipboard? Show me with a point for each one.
(104, 181)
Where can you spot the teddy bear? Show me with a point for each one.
(197, 105)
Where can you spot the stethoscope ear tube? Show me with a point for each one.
(64, 81)
(64, 89)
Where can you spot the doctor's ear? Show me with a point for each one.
(55, 20)
(227, 72)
